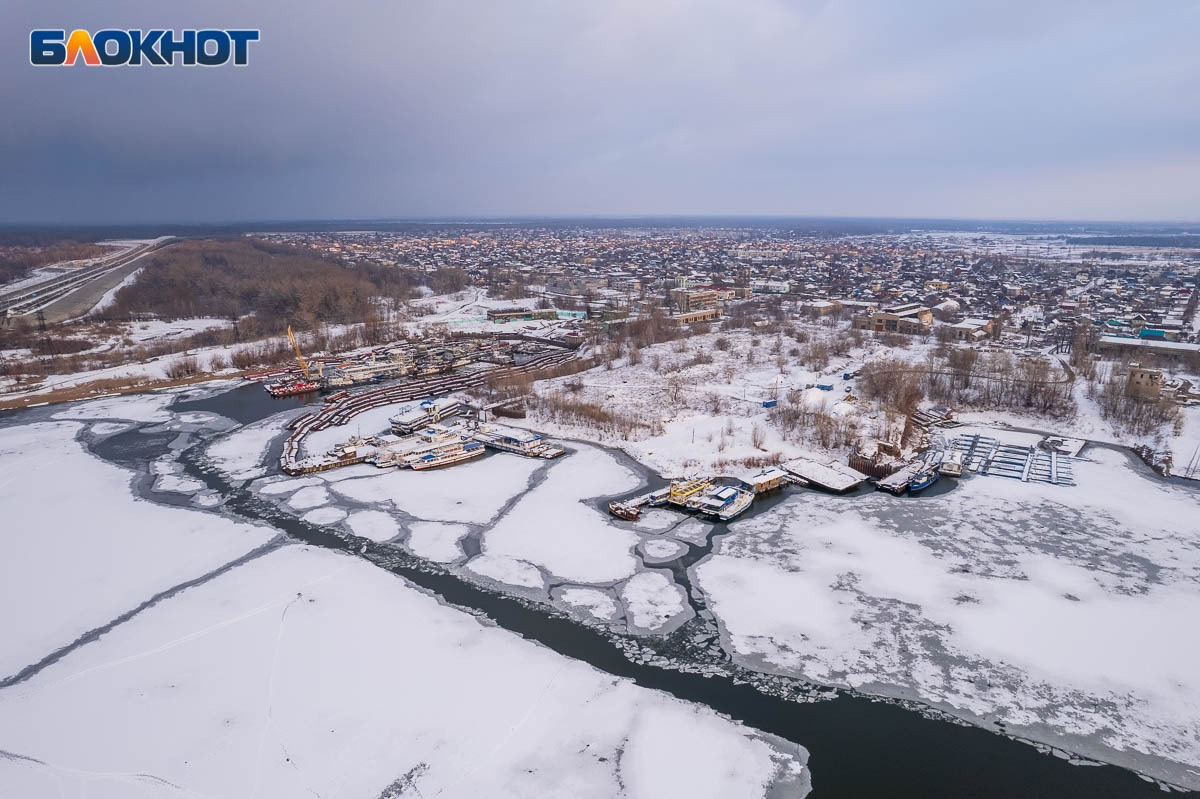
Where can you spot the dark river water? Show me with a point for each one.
(859, 746)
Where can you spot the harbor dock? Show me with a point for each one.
(830, 475)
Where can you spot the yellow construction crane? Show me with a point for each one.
(299, 355)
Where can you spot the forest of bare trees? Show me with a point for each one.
(961, 377)
(278, 285)
(1138, 416)
(17, 259)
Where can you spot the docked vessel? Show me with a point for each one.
(687, 493)
(292, 388)
(952, 466)
(418, 414)
(922, 480)
(725, 503)
(767, 479)
(288, 387)
(510, 439)
(401, 452)
(456, 453)
(625, 510)
(631, 509)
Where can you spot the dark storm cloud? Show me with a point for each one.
(400, 108)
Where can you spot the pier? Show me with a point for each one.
(830, 475)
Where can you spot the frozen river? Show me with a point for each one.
(727, 617)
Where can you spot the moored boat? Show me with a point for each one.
(952, 466)
(725, 502)
(292, 388)
(447, 456)
(623, 510)
(922, 480)
(415, 415)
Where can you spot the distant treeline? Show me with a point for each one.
(1181, 242)
(21, 253)
(278, 284)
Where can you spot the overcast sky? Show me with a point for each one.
(420, 108)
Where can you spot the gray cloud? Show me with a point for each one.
(444, 107)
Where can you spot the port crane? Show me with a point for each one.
(299, 355)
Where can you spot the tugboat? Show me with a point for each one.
(625, 510)
(923, 479)
(631, 509)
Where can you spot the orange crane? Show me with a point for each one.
(299, 355)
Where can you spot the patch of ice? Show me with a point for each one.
(662, 549)
(436, 541)
(652, 599)
(310, 497)
(286, 485)
(470, 492)
(79, 550)
(135, 408)
(507, 570)
(552, 528)
(657, 520)
(324, 516)
(240, 453)
(428, 701)
(373, 524)
(597, 603)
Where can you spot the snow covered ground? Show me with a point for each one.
(1062, 612)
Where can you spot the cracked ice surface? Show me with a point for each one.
(241, 452)
(307, 672)
(135, 408)
(471, 492)
(78, 550)
(551, 527)
(1065, 611)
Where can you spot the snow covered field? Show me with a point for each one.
(1063, 612)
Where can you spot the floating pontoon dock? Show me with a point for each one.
(830, 475)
